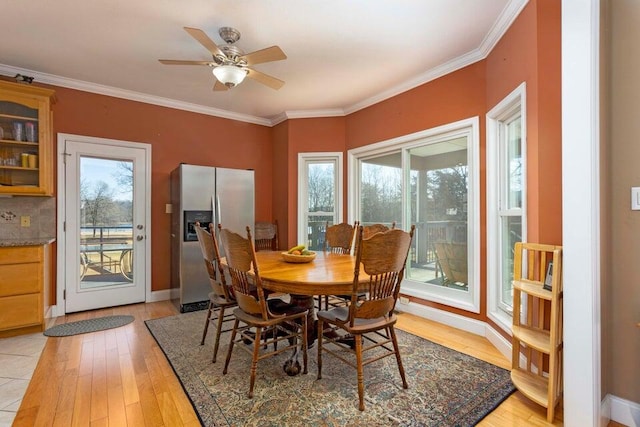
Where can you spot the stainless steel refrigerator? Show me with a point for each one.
(206, 195)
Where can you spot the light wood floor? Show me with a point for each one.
(120, 377)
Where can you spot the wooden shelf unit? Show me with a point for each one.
(536, 361)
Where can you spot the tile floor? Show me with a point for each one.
(18, 359)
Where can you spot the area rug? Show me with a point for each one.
(88, 325)
(446, 388)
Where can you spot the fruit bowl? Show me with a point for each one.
(298, 258)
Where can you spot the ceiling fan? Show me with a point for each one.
(230, 64)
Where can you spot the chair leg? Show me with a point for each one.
(218, 332)
(233, 338)
(206, 324)
(320, 334)
(274, 333)
(358, 342)
(304, 344)
(391, 331)
(254, 361)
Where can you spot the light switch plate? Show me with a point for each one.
(168, 208)
(635, 198)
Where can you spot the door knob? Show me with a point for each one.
(139, 237)
(139, 226)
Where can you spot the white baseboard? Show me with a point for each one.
(621, 411)
(459, 322)
(501, 343)
(56, 310)
(162, 295)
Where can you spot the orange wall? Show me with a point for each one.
(528, 52)
(453, 97)
(307, 136)
(281, 181)
(175, 136)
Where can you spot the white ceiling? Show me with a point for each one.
(342, 55)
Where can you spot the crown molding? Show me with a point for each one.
(434, 73)
(131, 95)
(502, 24)
(307, 114)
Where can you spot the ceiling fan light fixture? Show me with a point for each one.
(229, 75)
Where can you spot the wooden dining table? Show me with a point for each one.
(327, 274)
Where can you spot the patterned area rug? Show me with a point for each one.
(89, 325)
(446, 388)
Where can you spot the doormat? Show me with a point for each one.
(88, 325)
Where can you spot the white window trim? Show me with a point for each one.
(303, 190)
(470, 300)
(516, 99)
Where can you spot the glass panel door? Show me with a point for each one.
(439, 193)
(105, 216)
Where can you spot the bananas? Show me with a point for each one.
(298, 248)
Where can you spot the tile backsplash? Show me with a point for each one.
(40, 210)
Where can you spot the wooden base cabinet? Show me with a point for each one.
(23, 270)
(536, 361)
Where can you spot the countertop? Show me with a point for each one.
(26, 241)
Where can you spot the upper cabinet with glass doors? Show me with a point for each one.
(25, 140)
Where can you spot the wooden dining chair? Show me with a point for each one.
(266, 236)
(338, 239)
(383, 258)
(370, 230)
(221, 296)
(272, 319)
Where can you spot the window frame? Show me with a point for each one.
(304, 159)
(469, 128)
(496, 118)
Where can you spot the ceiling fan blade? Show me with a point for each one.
(219, 86)
(181, 62)
(265, 79)
(204, 40)
(273, 53)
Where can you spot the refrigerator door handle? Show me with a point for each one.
(216, 210)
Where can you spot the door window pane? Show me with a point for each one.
(106, 218)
